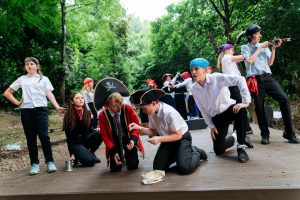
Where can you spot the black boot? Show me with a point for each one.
(292, 138)
(265, 140)
(242, 155)
(248, 142)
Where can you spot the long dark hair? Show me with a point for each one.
(69, 122)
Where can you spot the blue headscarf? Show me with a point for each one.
(199, 62)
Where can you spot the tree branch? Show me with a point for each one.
(217, 10)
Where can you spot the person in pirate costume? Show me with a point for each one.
(122, 145)
(167, 127)
(169, 98)
(187, 83)
(212, 96)
(82, 139)
(258, 58)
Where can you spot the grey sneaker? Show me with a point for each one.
(35, 169)
(51, 167)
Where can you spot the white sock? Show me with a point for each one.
(234, 135)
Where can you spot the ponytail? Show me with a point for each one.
(220, 57)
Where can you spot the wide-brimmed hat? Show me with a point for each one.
(105, 88)
(167, 74)
(146, 95)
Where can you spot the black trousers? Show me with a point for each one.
(267, 85)
(236, 95)
(180, 105)
(94, 121)
(168, 99)
(222, 122)
(35, 123)
(131, 158)
(193, 109)
(180, 152)
(84, 152)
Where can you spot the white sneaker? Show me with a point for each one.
(35, 169)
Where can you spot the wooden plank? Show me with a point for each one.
(273, 171)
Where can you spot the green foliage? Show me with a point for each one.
(102, 41)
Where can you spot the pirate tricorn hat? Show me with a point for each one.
(146, 95)
(105, 88)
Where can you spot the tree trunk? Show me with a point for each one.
(63, 49)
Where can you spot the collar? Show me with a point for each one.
(207, 81)
(36, 75)
(113, 114)
(160, 110)
(254, 45)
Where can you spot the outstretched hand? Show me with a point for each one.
(134, 126)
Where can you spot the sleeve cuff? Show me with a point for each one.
(112, 151)
(134, 139)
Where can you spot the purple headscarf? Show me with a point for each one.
(224, 47)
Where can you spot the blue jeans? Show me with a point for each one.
(35, 123)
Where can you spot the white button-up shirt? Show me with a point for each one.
(187, 83)
(229, 66)
(167, 120)
(214, 97)
(34, 90)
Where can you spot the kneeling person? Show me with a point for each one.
(167, 127)
(122, 145)
(218, 109)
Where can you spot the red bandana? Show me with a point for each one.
(79, 113)
(252, 85)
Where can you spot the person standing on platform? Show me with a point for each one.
(258, 58)
(167, 127)
(122, 144)
(227, 63)
(187, 83)
(88, 94)
(82, 139)
(218, 109)
(36, 88)
(168, 81)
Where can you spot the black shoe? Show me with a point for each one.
(248, 142)
(203, 155)
(249, 132)
(265, 140)
(292, 138)
(242, 155)
(97, 160)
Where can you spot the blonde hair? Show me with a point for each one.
(114, 97)
(86, 85)
(220, 57)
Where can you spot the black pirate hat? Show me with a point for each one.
(146, 95)
(105, 88)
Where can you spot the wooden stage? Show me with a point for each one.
(273, 172)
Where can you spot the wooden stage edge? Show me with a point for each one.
(273, 172)
(258, 194)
